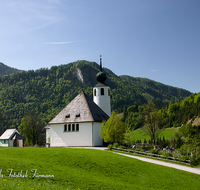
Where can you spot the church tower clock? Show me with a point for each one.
(101, 92)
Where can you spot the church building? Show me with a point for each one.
(78, 123)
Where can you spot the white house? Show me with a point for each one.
(78, 124)
(11, 138)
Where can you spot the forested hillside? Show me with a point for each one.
(47, 91)
(183, 115)
(186, 111)
(6, 70)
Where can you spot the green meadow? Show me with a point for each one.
(75, 168)
(168, 133)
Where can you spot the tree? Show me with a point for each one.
(128, 137)
(113, 129)
(191, 138)
(152, 122)
(31, 128)
(6, 121)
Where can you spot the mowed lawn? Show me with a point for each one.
(168, 133)
(75, 168)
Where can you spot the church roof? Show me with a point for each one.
(99, 84)
(47, 127)
(80, 109)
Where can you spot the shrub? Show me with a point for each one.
(194, 160)
(115, 145)
(167, 154)
(138, 149)
(184, 158)
(138, 141)
(153, 151)
(121, 146)
(110, 147)
(176, 156)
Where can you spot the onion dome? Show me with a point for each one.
(101, 76)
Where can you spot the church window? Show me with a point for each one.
(78, 115)
(77, 127)
(73, 127)
(102, 91)
(108, 92)
(65, 127)
(95, 92)
(69, 127)
(68, 116)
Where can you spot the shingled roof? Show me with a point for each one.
(80, 109)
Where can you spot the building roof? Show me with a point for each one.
(8, 133)
(99, 84)
(17, 136)
(47, 127)
(80, 109)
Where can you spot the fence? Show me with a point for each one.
(158, 156)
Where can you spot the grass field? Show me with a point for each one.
(167, 133)
(86, 169)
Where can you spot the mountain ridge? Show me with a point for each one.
(6, 70)
(47, 91)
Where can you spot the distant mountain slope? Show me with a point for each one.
(155, 91)
(6, 70)
(47, 91)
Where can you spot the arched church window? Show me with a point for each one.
(73, 127)
(102, 91)
(95, 92)
(69, 127)
(108, 92)
(65, 127)
(77, 127)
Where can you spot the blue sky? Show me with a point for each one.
(155, 39)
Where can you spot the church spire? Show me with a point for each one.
(101, 76)
(100, 63)
(101, 92)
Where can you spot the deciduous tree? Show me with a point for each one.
(113, 129)
(153, 122)
(128, 137)
(31, 128)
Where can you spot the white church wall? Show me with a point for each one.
(83, 137)
(97, 141)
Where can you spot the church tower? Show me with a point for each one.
(101, 92)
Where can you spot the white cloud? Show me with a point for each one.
(31, 14)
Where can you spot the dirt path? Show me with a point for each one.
(176, 166)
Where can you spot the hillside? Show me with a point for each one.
(174, 114)
(47, 91)
(6, 70)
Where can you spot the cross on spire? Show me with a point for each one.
(100, 63)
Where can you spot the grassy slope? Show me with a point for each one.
(167, 133)
(89, 169)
